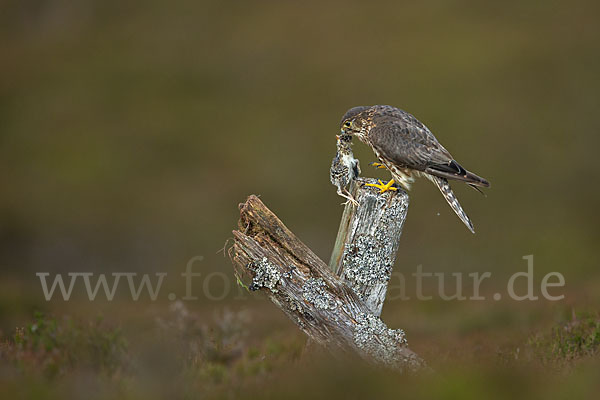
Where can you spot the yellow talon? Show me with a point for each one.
(377, 165)
(383, 187)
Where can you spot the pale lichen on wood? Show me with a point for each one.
(325, 307)
(367, 242)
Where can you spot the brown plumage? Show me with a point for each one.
(407, 148)
(344, 167)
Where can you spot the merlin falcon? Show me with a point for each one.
(408, 149)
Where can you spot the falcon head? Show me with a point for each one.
(355, 122)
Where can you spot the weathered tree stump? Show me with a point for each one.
(272, 259)
(367, 241)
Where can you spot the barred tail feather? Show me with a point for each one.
(444, 186)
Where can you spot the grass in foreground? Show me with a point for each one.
(185, 356)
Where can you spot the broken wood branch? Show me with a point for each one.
(367, 241)
(272, 259)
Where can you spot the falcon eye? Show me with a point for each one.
(347, 124)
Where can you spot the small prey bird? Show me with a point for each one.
(408, 149)
(344, 167)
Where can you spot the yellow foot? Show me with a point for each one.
(377, 165)
(383, 187)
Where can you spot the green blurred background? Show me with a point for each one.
(130, 131)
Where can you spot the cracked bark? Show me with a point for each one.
(367, 241)
(340, 313)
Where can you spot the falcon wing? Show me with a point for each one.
(407, 142)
